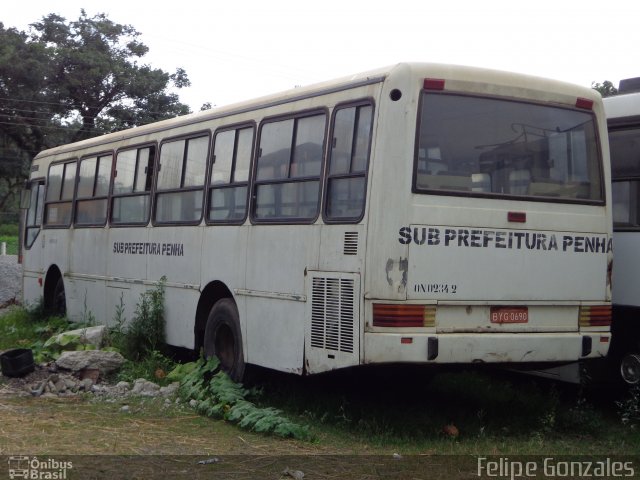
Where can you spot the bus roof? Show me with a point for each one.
(476, 74)
(618, 106)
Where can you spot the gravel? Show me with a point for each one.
(10, 280)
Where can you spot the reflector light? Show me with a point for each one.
(433, 84)
(517, 217)
(595, 316)
(584, 103)
(398, 316)
(406, 340)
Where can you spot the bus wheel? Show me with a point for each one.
(222, 338)
(59, 304)
(630, 368)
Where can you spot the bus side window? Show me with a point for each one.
(287, 186)
(59, 197)
(131, 186)
(180, 184)
(230, 175)
(93, 190)
(346, 176)
(34, 213)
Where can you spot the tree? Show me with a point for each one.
(67, 81)
(605, 88)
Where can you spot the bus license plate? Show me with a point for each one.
(509, 314)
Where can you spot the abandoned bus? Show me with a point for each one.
(623, 114)
(422, 213)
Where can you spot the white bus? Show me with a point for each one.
(623, 114)
(422, 213)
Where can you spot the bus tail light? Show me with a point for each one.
(433, 84)
(416, 316)
(595, 316)
(584, 103)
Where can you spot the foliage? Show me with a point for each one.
(145, 333)
(64, 81)
(629, 408)
(220, 397)
(605, 88)
(9, 229)
(152, 367)
(26, 328)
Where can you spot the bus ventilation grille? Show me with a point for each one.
(332, 314)
(350, 243)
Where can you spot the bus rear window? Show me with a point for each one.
(492, 147)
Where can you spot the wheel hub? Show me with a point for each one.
(630, 368)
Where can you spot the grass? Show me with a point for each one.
(358, 411)
(20, 327)
(12, 243)
(406, 410)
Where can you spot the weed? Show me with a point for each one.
(154, 367)
(219, 397)
(629, 408)
(145, 333)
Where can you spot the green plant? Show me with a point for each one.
(115, 336)
(629, 408)
(145, 333)
(220, 397)
(152, 367)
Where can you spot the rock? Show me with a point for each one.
(125, 409)
(86, 384)
(61, 386)
(123, 387)
(106, 362)
(169, 390)
(89, 335)
(145, 388)
(38, 389)
(193, 403)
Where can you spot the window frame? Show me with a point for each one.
(232, 184)
(40, 182)
(106, 197)
(617, 125)
(502, 196)
(182, 189)
(113, 196)
(59, 201)
(255, 183)
(327, 177)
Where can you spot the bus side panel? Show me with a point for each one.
(32, 290)
(121, 262)
(88, 259)
(224, 260)
(626, 265)
(278, 259)
(176, 255)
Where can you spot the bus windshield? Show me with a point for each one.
(493, 147)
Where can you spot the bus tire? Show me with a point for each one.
(59, 300)
(223, 338)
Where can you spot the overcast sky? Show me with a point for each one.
(240, 49)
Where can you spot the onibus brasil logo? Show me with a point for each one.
(34, 468)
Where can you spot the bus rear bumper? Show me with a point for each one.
(484, 348)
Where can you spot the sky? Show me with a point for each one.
(235, 50)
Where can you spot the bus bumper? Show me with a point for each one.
(484, 348)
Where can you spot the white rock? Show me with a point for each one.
(75, 361)
(91, 335)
